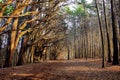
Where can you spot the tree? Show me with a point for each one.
(101, 34)
(106, 26)
(22, 37)
(115, 43)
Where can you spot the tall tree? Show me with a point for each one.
(100, 33)
(107, 34)
(115, 42)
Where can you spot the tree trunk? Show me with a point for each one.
(101, 34)
(68, 51)
(107, 34)
(115, 43)
(7, 55)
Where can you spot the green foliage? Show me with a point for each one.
(76, 11)
(82, 9)
(1, 1)
(9, 9)
(79, 11)
(68, 11)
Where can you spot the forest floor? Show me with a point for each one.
(62, 70)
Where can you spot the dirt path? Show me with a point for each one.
(62, 70)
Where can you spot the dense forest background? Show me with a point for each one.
(39, 30)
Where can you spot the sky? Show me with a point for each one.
(72, 5)
(89, 1)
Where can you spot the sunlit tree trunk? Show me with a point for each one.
(107, 34)
(13, 39)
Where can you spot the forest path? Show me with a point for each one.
(62, 70)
